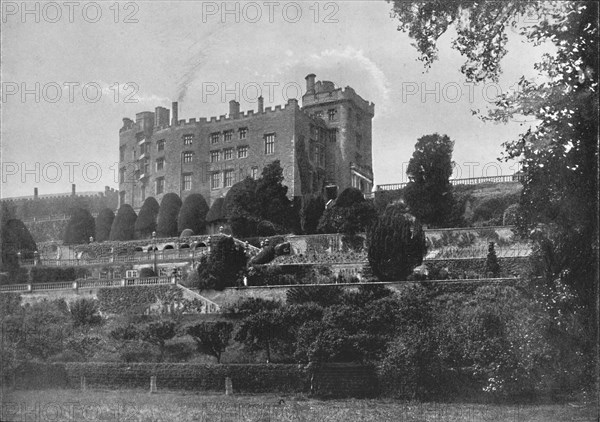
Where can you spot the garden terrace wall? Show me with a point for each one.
(327, 380)
(475, 267)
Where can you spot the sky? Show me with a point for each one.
(70, 78)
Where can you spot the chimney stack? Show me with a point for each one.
(310, 83)
(234, 109)
(261, 104)
(72, 189)
(35, 193)
(175, 114)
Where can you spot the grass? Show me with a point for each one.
(140, 406)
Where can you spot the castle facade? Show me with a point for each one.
(325, 145)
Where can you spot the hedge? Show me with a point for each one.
(122, 300)
(328, 380)
(55, 274)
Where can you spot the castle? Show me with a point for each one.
(323, 147)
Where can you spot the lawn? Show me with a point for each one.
(140, 406)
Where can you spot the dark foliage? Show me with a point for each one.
(147, 272)
(310, 213)
(104, 222)
(146, 221)
(224, 266)
(193, 214)
(429, 192)
(396, 244)
(124, 223)
(216, 212)
(85, 312)
(167, 215)
(15, 238)
(351, 214)
(211, 337)
(80, 228)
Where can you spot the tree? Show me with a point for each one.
(80, 228)
(193, 214)
(158, 333)
(429, 192)
(396, 244)
(167, 215)
(491, 263)
(211, 337)
(104, 222)
(559, 157)
(224, 266)
(260, 330)
(310, 213)
(351, 214)
(16, 238)
(147, 272)
(85, 312)
(146, 221)
(123, 224)
(271, 197)
(240, 208)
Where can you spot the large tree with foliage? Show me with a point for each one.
(15, 238)
(146, 221)
(350, 214)
(559, 155)
(224, 265)
(240, 208)
(80, 228)
(192, 214)
(104, 222)
(211, 337)
(167, 215)
(312, 208)
(271, 196)
(429, 192)
(124, 223)
(396, 244)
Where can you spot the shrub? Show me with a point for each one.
(104, 223)
(396, 244)
(224, 266)
(311, 211)
(167, 215)
(147, 272)
(123, 224)
(350, 214)
(146, 221)
(80, 228)
(211, 337)
(84, 312)
(192, 214)
(15, 237)
(511, 214)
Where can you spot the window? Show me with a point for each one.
(134, 154)
(160, 185)
(160, 164)
(187, 181)
(143, 191)
(188, 139)
(358, 140)
(228, 154)
(254, 173)
(332, 135)
(228, 178)
(146, 168)
(214, 156)
(215, 180)
(331, 114)
(215, 137)
(228, 135)
(122, 176)
(243, 151)
(270, 144)
(243, 132)
(160, 145)
(188, 156)
(121, 153)
(319, 114)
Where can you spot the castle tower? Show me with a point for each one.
(350, 119)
